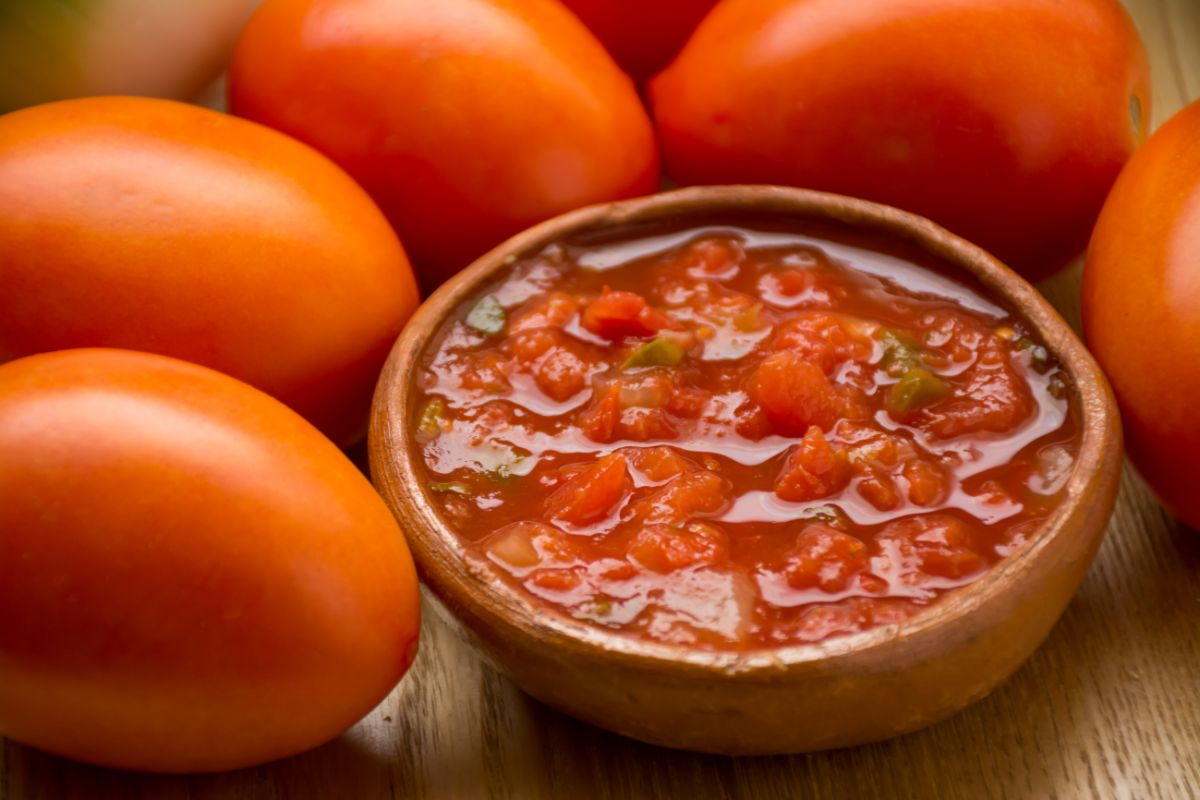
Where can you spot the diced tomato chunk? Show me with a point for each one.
(616, 315)
(825, 559)
(555, 311)
(989, 396)
(692, 493)
(927, 482)
(530, 345)
(556, 579)
(486, 374)
(647, 425)
(934, 544)
(711, 257)
(814, 469)
(659, 463)
(591, 495)
(687, 401)
(877, 487)
(794, 394)
(600, 420)
(821, 338)
(560, 373)
(666, 548)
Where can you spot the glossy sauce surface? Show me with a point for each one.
(738, 437)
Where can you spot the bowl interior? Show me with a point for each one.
(463, 580)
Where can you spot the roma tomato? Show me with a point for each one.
(158, 226)
(642, 36)
(1141, 308)
(192, 578)
(953, 109)
(467, 120)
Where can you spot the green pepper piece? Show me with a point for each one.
(487, 317)
(917, 387)
(431, 418)
(900, 353)
(660, 352)
(448, 488)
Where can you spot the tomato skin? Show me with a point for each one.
(153, 225)
(642, 37)
(949, 108)
(467, 120)
(192, 578)
(1141, 292)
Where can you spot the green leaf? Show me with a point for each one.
(487, 316)
(918, 387)
(661, 352)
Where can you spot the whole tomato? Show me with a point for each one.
(467, 120)
(192, 577)
(1141, 308)
(154, 225)
(1006, 121)
(642, 36)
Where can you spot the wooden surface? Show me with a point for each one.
(1108, 707)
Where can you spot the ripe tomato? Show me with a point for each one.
(642, 36)
(953, 109)
(158, 226)
(192, 578)
(1141, 308)
(467, 120)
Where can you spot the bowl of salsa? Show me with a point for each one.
(747, 469)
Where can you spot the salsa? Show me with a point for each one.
(736, 437)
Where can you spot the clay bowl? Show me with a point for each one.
(843, 691)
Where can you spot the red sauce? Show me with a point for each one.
(734, 437)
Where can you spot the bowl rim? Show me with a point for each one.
(450, 571)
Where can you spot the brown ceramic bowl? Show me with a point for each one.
(839, 692)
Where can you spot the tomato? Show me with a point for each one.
(642, 36)
(1141, 308)
(55, 49)
(949, 108)
(153, 225)
(192, 578)
(467, 120)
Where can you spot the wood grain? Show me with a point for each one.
(1108, 707)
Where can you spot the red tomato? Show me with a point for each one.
(1141, 308)
(642, 36)
(192, 578)
(950, 108)
(467, 120)
(158, 226)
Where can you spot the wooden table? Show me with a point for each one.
(1108, 707)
